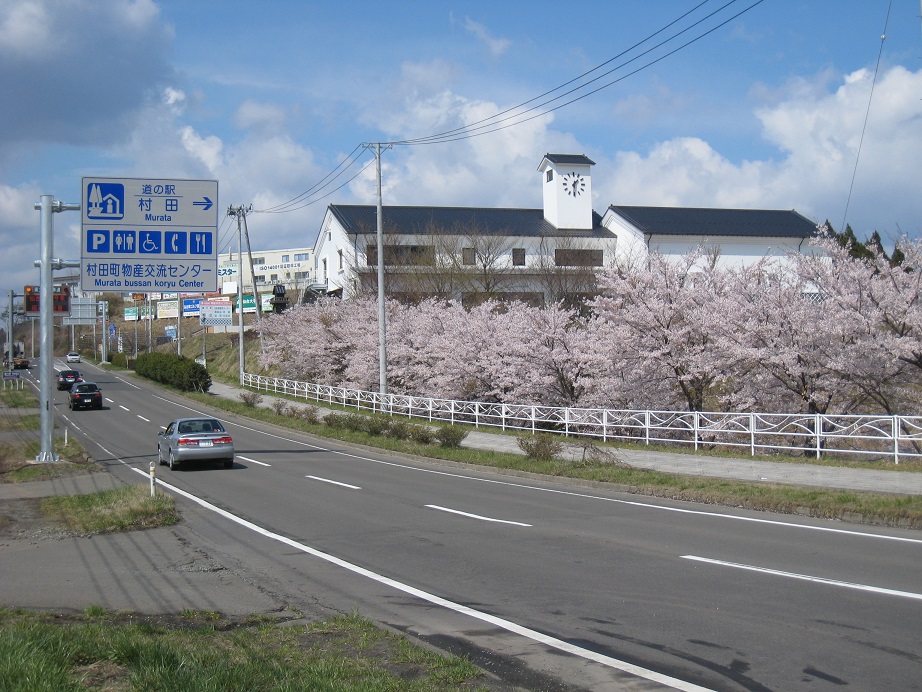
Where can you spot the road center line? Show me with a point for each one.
(146, 420)
(477, 516)
(327, 480)
(807, 577)
(125, 408)
(261, 463)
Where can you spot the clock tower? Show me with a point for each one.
(567, 190)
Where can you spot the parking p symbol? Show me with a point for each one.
(97, 241)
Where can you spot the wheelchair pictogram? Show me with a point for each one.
(149, 243)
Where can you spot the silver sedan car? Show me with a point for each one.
(188, 440)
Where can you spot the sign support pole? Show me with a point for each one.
(47, 206)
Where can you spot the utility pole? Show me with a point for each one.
(382, 312)
(259, 307)
(240, 212)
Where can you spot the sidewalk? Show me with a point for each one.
(744, 469)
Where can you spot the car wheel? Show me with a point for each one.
(173, 464)
(228, 463)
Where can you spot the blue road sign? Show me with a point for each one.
(149, 235)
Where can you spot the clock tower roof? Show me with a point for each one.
(566, 160)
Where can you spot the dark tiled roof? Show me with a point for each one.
(563, 159)
(459, 221)
(686, 221)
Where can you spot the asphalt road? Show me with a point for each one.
(604, 589)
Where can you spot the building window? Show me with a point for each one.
(468, 256)
(550, 175)
(301, 257)
(259, 260)
(401, 255)
(340, 253)
(324, 269)
(518, 257)
(285, 259)
(566, 257)
(260, 278)
(275, 278)
(302, 276)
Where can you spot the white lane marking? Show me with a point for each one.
(570, 493)
(146, 420)
(502, 623)
(261, 463)
(111, 401)
(477, 516)
(807, 577)
(327, 480)
(120, 406)
(127, 382)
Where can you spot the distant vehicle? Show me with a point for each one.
(21, 363)
(68, 378)
(85, 395)
(72, 357)
(186, 440)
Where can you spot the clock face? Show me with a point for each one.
(574, 184)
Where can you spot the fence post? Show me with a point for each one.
(896, 439)
(816, 431)
(646, 426)
(752, 435)
(695, 432)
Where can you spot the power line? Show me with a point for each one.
(495, 122)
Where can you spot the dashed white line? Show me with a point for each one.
(146, 420)
(261, 463)
(327, 480)
(477, 516)
(124, 408)
(807, 577)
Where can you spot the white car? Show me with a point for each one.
(72, 357)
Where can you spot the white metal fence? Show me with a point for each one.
(884, 437)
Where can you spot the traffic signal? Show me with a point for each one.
(61, 301)
(31, 301)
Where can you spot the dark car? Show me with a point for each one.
(84, 395)
(187, 440)
(68, 378)
(21, 363)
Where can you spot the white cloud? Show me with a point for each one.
(497, 46)
(24, 29)
(266, 117)
(817, 131)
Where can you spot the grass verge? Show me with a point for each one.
(101, 650)
(108, 511)
(866, 507)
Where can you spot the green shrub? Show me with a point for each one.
(377, 425)
(336, 420)
(399, 429)
(280, 406)
(451, 436)
(421, 434)
(355, 422)
(540, 446)
(176, 371)
(250, 398)
(308, 414)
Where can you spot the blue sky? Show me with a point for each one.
(269, 98)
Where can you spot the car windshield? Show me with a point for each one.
(206, 425)
(86, 388)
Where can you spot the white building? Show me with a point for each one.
(533, 253)
(292, 268)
